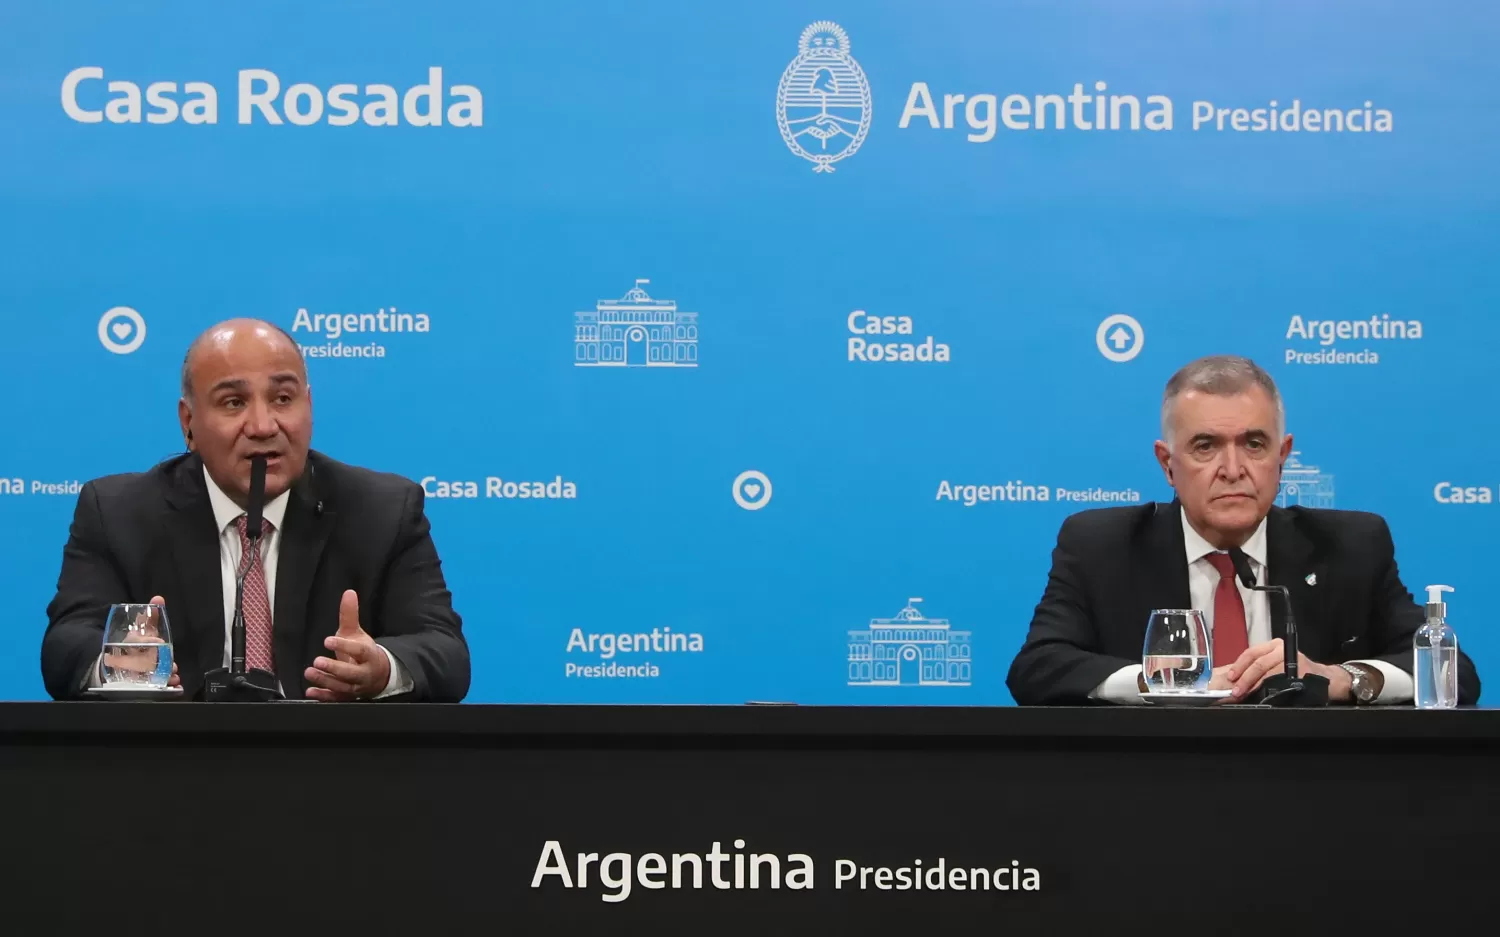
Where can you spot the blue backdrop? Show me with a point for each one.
(628, 258)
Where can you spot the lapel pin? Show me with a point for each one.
(1312, 579)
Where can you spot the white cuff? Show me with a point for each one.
(1398, 686)
(399, 680)
(1122, 686)
(94, 677)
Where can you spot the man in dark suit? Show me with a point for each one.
(348, 601)
(1223, 445)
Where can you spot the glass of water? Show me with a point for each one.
(137, 647)
(1177, 657)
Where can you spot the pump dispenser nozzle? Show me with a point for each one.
(1437, 609)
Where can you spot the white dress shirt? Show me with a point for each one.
(1203, 580)
(226, 513)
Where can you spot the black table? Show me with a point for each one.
(289, 818)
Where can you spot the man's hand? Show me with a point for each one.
(1265, 660)
(143, 661)
(359, 669)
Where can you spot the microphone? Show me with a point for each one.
(255, 506)
(1287, 688)
(236, 683)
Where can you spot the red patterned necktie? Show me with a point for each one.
(1230, 637)
(257, 603)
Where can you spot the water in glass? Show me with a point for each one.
(1177, 656)
(137, 646)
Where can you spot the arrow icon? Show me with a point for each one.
(1120, 337)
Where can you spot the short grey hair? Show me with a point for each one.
(1222, 376)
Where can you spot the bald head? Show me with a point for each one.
(245, 395)
(228, 331)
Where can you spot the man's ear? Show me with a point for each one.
(185, 421)
(1164, 459)
(1286, 451)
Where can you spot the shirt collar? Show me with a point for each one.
(1198, 548)
(226, 511)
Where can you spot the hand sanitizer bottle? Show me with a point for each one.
(1435, 656)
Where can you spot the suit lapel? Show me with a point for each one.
(1291, 558)
(194, 539)
(1161, 567)
(304, 533)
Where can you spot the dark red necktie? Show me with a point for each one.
(1230, 637)
(257, 607)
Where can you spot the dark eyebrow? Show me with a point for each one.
(1248, 434)
(240, 385)
(230, 384)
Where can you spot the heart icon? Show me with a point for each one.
(121, 330)
(751, 490)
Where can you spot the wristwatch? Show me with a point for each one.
(1362, 687)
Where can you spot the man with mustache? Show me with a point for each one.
(348, 601)
(1223, 444)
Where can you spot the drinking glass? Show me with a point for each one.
(1177, 657)
(137, 647)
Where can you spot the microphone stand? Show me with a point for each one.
(1288, 688)
(237, 623)
(1291, 688)
(237, 684)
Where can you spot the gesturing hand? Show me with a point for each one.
(358, 669)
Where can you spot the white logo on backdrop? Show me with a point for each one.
(1120, 337)
(1442, 492)
(122, 330)
(1328, 332)
(351, 335)
(635, 331)
(823, 105)
(909, 650)
(19, 486)
(751, 490)
(1304, 485)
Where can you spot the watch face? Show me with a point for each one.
(1360, 684)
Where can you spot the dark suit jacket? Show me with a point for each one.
(1113, 566)
(153, 533)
